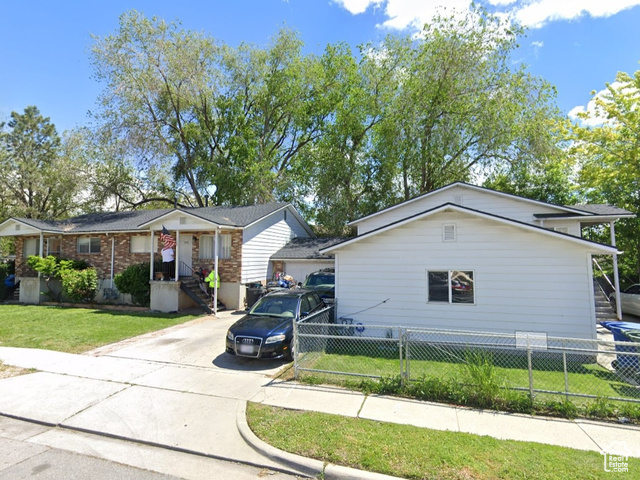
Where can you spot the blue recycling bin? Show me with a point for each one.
(620, 331)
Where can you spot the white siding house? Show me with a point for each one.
(265, 237)
(469, 265)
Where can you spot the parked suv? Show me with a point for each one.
(323, 282)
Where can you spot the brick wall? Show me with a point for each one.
(230, 269)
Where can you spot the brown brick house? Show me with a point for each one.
(238, 240)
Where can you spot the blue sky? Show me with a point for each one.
(577, 45)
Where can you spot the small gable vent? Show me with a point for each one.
(457, 199)
(449, 233)
(17, 228)
(183, 220)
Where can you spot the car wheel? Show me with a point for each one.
(290, 352)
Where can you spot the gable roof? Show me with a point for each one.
(477, 213)
(306, 249)
(231, 216)
(563, 210)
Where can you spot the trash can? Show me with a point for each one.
(254, 292)
(625, 332)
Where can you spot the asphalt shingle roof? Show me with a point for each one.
(241, 216)
(306, 249)
(601, 209)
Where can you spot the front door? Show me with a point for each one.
(185, 255)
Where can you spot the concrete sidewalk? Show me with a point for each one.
(162, 391)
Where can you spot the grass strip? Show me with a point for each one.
(76, 330)
(420, 453)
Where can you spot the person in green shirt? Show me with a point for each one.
(213, 280)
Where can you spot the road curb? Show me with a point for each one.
(308, 466)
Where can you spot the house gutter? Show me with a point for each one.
(113, 253)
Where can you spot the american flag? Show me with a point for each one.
(167, 239)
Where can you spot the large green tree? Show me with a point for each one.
(607, 148)
(237, 118)
(462, 108)
(39, 178)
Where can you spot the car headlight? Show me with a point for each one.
(230, 335)
(275, 338)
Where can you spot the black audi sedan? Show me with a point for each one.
(267, 330)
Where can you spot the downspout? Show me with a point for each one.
(215, 268)
(113, 252)
(151, 249)
(616, 281)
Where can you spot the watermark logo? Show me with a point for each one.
(616, 458)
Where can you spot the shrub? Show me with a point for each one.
(80, 285)
(51, 267)
(135, 281)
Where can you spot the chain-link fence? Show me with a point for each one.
(538, 364)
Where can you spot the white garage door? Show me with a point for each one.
(300, 269)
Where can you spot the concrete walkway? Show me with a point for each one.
(175, 389)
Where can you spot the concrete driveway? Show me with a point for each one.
(200, 343)
(176, 388)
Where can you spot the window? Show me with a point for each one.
(31, 247)
(450, 286)
(142, 244)
(53, 246)
(207, 247)
(89, 245)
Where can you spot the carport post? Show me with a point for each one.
(616, 281)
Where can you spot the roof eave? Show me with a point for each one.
(449, 206)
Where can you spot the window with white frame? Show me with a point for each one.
(89, 245)
(450, 286)
(142, 244)
(54, 245)
(208, 249)
(31, 247)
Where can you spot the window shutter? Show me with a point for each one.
(449, 233)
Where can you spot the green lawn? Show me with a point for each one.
(548, 374)
(420, 453)
(76, 330)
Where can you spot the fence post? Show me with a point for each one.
(530, 369)
(400, 347)
(566, 375)
(407, 355)
(295, 350)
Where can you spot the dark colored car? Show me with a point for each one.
(323, 282)
(267, 330)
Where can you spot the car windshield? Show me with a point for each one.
(314, 280)
(276, 307)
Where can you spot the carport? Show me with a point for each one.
(301, 256)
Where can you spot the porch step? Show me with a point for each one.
(604, 310)
(191, 286)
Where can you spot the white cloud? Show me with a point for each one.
(531, 13)
(596, 115)
(357, 6)
(402, 14)
(539, 12)
(537, 44)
